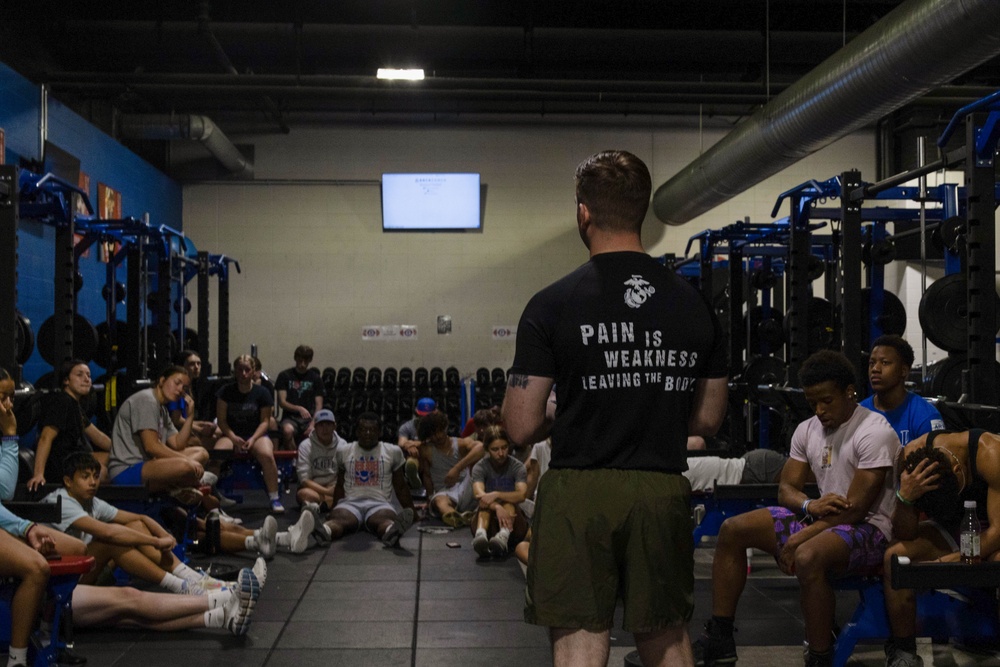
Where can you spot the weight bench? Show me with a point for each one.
(243, 472)
(954, 600)
(727, 500)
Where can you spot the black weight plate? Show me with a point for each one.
(158, 357)
(103, 355)
(84, 340)
(24, 341)
(768, 329)
(892, 319)
(191, 340)
(944, 313)
(953, 234)
(819, 324)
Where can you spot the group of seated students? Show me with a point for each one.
(879, 464)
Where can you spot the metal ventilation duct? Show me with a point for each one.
(185, 126)
(920, 45)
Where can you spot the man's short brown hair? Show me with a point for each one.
(304, 352)
(615, 187)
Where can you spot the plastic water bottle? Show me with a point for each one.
(970, 534)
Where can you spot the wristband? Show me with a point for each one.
(7, 439)
(902, 499)
(805, 506)
(28, 530)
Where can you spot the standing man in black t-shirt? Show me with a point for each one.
(637, 358)
(300, 396)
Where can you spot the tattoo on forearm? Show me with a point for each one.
(517, 380)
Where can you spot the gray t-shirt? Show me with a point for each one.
(408, 429)
(501, 480)
(141, 412)
(72, 510)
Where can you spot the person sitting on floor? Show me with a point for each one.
(409, 441)
(64, 429)
(368, 471)
(937, 473)
(146, 448)
(243, 410)
(850, 449)
(499, 483)
(888, 368)
(134, 542)
(24, 545)
(300, 396)
(444, 466)
(316, 465)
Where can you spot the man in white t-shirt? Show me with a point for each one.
(368, 471)
(850, 449)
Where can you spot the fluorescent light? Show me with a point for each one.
(407, 74)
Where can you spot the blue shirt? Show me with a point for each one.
(912, 419)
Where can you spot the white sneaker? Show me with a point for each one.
(298, 533)
(390, 537)
(225, 518)
(260, 571)
(481, 544)
(242, 601)
(498, 544)
(266, 536)
(224, 501)
(209, 479)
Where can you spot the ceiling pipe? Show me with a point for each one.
(918, 46)
(188, 126)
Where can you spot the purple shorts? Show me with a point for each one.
(865, 542)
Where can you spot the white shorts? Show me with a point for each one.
(460, 495)
(363, 508)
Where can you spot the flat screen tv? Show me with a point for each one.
(431, 202)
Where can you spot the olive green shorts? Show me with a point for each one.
(601, 534)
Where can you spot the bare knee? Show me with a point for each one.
(809, 563)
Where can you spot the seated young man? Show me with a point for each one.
(409, 441)
(850, 449)
(444, 465)
(499, 483)
(888, 368)
(300, 396)
(368, 471)
(134, 542)
(316, 464)
(938, 472)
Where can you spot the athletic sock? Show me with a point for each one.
(173, 583)
(250, 544)
(274, 496)
(282, 539)
(17, 656)
(481, 531)
(214, 618)
(186, 573)
(724, 624)
(218, 598)
(503, 533)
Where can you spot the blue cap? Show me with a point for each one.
(425, 406)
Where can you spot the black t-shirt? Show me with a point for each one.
(243, 410)
(302, 388)
(625, 339)
(62, 412)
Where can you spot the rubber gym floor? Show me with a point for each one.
(428, 605)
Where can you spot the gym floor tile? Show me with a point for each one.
(347, 634)
(499, 609)
(481, 634)
(332, 610)
(363, 591)
(481, 657)
(342, 658)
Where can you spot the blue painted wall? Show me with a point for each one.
(144, 190)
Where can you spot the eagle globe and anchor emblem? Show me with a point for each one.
(638, 291)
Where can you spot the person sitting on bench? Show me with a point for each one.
(937, 473)
(65, 429)
(850, 449)
(888, 368)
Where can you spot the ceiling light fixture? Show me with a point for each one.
(404, 74)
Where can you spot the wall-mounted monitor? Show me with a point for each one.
(431, 202)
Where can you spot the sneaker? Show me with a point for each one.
(209, 479)
(498, 545)
(225, 518)
(313, 508)
(242, 601)
(260, 571)
(298, 533)
(412, 474)
(225, 501)
(187, 496)
(818, 660)
(404, 520)
(266, 535)
(895, 657)
(481, 544)
(68, 656)
(468, 517)
(452, 519)
(712, 648)
(321, 531)
(277, 507)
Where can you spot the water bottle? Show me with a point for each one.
(970, 534)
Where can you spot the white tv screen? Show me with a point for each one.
(430, 202)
